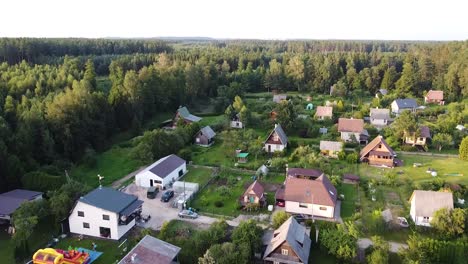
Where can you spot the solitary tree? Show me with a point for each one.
(442, 140)
(449, 223)
(279, 218)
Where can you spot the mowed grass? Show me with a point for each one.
(211, 120)
(109, 248)
(443, 166)
(112, 164)
(198, 175)
(348, 205)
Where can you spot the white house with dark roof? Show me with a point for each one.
(162, 173)
(425, 203)
(104, 212)
(277, 140)
(380, 117)
(151, 250)
(12, 200)
(400, 105)
(290, 243)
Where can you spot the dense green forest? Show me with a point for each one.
(53, 113)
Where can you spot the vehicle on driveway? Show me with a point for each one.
(188, 214)
(152, 192)
(167, 196)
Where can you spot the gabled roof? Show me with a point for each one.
(257, 188)
(110, 200)
(279, 97)
(320, 191)
(208, 132)
(281, 134)
(373, 144)
(185, 114)
(435, 95)
(164, 166)
(294, 172)
(428, 202)
(325, 111)
(12, 200)
(350, 125)
(151, 250)
(295, 235)
(331, 145)
(406, 103)
(380, 113)
(425, 131)
(383, 91)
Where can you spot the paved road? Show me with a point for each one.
(394, 246)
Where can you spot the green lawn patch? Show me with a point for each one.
(109, 248)
(320, 256)
(211, 120)
(113, 164)
(348, 205)
(198, 175)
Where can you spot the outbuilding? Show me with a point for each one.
(162, 173)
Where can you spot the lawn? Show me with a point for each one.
(442, 165)
(109, 248)
(348, 205)
(211, 120)
(319, 256)
(198, 175)
(113, 164)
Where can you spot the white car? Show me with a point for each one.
(188, 214)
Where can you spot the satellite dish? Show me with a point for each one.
(123, 218)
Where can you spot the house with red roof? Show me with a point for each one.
(253, 195)
(434, 97)
(352, 129)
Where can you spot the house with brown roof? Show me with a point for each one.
(290, 243)
(276, 141)
(434, 97)
(378, 153)
(418, 138)
(324, 112)
(254, 195)
(425, 203)
(310, 197)
(352, 129)
(151, 250)
(302, 173)
(330, 148)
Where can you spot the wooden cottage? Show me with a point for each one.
(378, 153)
(277, 140)
(253, 195)
(205, 137)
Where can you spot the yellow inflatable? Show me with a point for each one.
(58, 256)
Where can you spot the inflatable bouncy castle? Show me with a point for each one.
(58, 256)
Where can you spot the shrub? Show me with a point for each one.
(224, 191)
(219, 204)
(352, 158)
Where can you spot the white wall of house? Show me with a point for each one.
(236, 124)
(94, 217)
(346, 136)
(419, 220)
(144, 177)
(309, 209)
(274, 147)
(378, 122)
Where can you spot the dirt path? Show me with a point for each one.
(121, 181)
(394, 246)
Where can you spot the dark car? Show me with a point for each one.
(167, 196)
(152, 192)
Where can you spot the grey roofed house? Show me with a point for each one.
(297, 238)
(185, 114)
(428, 202)
(10, 201)
(331, 145)
(165, 167)
(383, 91)
(151, 250)
(208, 132)
(111, 200)
(281, 134)
(380, 113)
(408, 103)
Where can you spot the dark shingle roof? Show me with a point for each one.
(166, 165)
(109, 199)
(10, 201)
(281, 134)
(406, 103)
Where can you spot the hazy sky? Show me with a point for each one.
(273, 19)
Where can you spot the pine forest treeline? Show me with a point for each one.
(52, 111)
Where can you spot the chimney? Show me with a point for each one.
(276, 125)
(133, 257)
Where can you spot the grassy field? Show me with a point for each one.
(198, 175)
(109, 248)
(348, 205)
(210, 120)
(442, 165)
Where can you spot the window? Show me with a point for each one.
(323, 208)
(380, 146)
(80, 213)
(85, 225)
(426, 219)
(105, 217)
(421, 139)
(284, 251)
(303, 205)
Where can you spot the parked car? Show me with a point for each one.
(188, 214)
(167, 196)
(152, 192)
